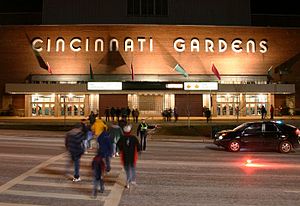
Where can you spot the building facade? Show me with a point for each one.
(71, 70)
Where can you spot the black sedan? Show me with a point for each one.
(260, 135)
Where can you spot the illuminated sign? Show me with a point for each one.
(220, 45)
(104, 86)
(174, 86)
(200, 85)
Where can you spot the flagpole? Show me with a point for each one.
(189, 102)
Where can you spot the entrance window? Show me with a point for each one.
(255, 102)
(226, 104)
(42, 105)
(72, 105)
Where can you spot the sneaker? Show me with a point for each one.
(101, 189)
(133, 182)
(76, 179)
(127, 186)
(117, 154)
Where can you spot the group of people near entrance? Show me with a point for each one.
(112, 140)
(121, 113)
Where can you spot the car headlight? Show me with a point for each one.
(221, 137)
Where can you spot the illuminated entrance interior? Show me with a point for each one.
(151, 104)
(227, 104)
(46, 105)
(255, 102)
(43, 105)
(72, 105)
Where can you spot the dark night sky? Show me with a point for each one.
(288, 7)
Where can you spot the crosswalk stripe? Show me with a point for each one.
(55, 176)
(15, 204)
(51, 195)
(21, 177)
(65, 185)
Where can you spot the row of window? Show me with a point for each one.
(147, 7)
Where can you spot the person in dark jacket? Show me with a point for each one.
(105, 148)
(142, 131)
(98, 167)
(74, 144)
(129, 147)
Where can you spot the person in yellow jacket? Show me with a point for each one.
(98, 127)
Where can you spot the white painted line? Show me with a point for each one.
(24, 156)
(20, 178)
(114, 197)
(32, 139)
(83, 177)
(64, 185)
(50, 195)
(16, 204)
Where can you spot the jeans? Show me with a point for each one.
(107, 163)
(130, 173)
(76, 167)
(98, 183)
(115, 148)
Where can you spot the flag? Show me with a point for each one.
(132, 74)
(179, 69)
(44, 65)
(91, 72)
(49, 68)
(215, 71)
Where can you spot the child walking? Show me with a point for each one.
(98, 167)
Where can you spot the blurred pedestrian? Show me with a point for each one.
(98, 167)
(115, 133)
(263, 112)
(98, 127)
(74, 144)
(272, 111)
(92, 118)
(129, 148)
(105, 148)
(207, 114)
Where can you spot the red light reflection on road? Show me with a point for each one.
(250, 166)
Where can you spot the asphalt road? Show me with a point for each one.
(33, 165)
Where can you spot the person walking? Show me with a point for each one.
(136, 115)
(92, 118)
(107, 113)
(105, 148)
(98, 167)
(129, 148)
(142, 132)
(207, 114)
(263, 112)
(272, 111)
(115, 133)
(98, 127)
(74, 144)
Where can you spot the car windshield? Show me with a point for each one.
(240, 127)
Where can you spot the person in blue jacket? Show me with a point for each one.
(105, 148)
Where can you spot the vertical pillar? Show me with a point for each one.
(242, 105)
(87, 108)
(57, 105)
(214, 105)
(28, 109)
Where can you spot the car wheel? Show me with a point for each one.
(234, 146)
(285, 147)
